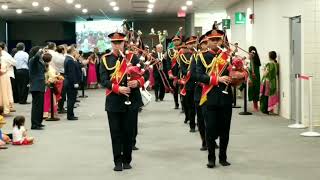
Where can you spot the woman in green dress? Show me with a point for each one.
(254, 77)
(269, 94)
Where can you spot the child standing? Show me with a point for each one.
(20, 133)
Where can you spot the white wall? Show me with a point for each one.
(206, 20)
(311, 65)
(270, 31)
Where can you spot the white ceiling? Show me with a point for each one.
(60, 10)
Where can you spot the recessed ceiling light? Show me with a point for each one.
(19, 11)
(189, 3)
(184, 8)
(113, 3)
(116, 8)
(152, 1)
(149, 10)
(69, 1)
(150, 6)
(4, 6)
(78, 6)
(85, 11)
(35, 4)
(46, 9)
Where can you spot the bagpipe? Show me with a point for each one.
(226, 60)
(151, 61)
(148, 60)
(236, 66)
(135, 45)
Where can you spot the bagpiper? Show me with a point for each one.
(187, 54)
(173, 66)
(123, 99)
(216, 96)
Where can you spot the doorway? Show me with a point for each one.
(295, 65)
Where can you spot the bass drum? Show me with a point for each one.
(146, 96)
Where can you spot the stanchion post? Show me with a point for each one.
(311, 132)
(245, 103)
(235, 98)
(82, 88)
(297, 124)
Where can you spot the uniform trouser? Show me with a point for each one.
(37, 108)
(71, 100)
(175, 93)
(200, 123)
(63, 99)
(218, 121)
(189, 108)
(159, 89)
(22, 81)
(14, 90)
(135, 126)
(121, 129)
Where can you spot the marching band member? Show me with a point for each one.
(213, 72)
(122, 117)
(187, 55)
(203, 44)
(159, 86)
(173, 67)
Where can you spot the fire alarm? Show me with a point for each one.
(251, 17)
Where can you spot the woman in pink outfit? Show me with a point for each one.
(92, 73)
(52, 77)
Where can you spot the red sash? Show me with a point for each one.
(221, 63)
(118, 74)
(183, 91)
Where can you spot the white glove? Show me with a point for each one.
(76, 86)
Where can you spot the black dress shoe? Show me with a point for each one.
(73, 118)
(203, 148)
(186, 121)
(127, 166)
(134, 148)
(177, 107)
(42, 126)
(157, 100)
(224, 163)
(211, 164)
(161, 99)
(192, 130)
(3, 147)
(37, 128)
(118, 167)
(63, 111)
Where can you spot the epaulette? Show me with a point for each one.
(107, 54)
(104, 61)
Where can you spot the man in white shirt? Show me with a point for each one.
(59, 62)
(22, 74)
(55, 55)
(59, 59)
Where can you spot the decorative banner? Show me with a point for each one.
(240, 18)
(226, 23)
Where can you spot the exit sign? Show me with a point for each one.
(181, 13)
(226, 23)
(240, 18)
